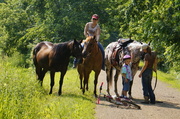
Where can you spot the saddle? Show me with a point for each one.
(118, 49)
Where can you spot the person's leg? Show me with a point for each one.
(151, 92)
(145, 85)
(103, 54)
(75, 61)
(122, 92)
(126, 88)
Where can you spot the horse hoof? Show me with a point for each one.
(130, 97)
(59, 93)
(83, 92)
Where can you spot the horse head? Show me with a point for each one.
(77, 49)
(89, 45)
(136, 53)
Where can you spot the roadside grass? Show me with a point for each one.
(21, 96)
(168, 78)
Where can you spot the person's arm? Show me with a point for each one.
(144, 67)
(124, 76)
(98, 32)
(86, 29)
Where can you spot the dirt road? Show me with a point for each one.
(169, 109)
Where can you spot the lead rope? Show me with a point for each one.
(155, 82)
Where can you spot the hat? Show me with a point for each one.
(144, 46)
(126, 57)
(95, 16)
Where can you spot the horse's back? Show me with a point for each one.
(41, 52)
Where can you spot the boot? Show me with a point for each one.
(146, 100)
(75, 63)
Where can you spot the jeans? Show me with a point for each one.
(103, 54)
(146, 83)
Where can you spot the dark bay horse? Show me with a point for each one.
(54, 58)
(92, 61)
(132, 49)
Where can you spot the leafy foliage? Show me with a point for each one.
(27, 22)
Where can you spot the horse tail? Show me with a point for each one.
(34, 56)
(35, 51)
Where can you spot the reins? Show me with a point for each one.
(155, 82)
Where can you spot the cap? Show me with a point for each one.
(95, 16)
(144, 46)
(126, 57)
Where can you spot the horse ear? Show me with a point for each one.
(94, 37)
(80, 41)
(75, 41)
(149, 42)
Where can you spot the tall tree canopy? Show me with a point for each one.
(23, 23)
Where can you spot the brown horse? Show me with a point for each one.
(92, 61)
(54, 58)
(132, 49)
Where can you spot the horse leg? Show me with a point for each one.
(115, 82)
(81, 74)
(130, 87)
(81, 79)
(134, 71)
(42, 74)
(61, 81)
(38, 72)
(86, 77)
(52, 73)
(108, 78)
(95, 82)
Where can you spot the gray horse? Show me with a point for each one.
(116, 61)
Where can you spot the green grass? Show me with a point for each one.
(169, 79)
(21, 96)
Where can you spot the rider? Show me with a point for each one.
(93, 29)
(146, 74)
(126, 76)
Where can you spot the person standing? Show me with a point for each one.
(150, 64)
(126, 76)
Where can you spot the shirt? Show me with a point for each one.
(126, 69)
(92, 31)
(150, 59)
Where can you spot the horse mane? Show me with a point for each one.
(135, 45)
(87, 39)
(64, 46)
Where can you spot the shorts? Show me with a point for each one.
(126, 85)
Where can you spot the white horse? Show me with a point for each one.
(132, 49)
